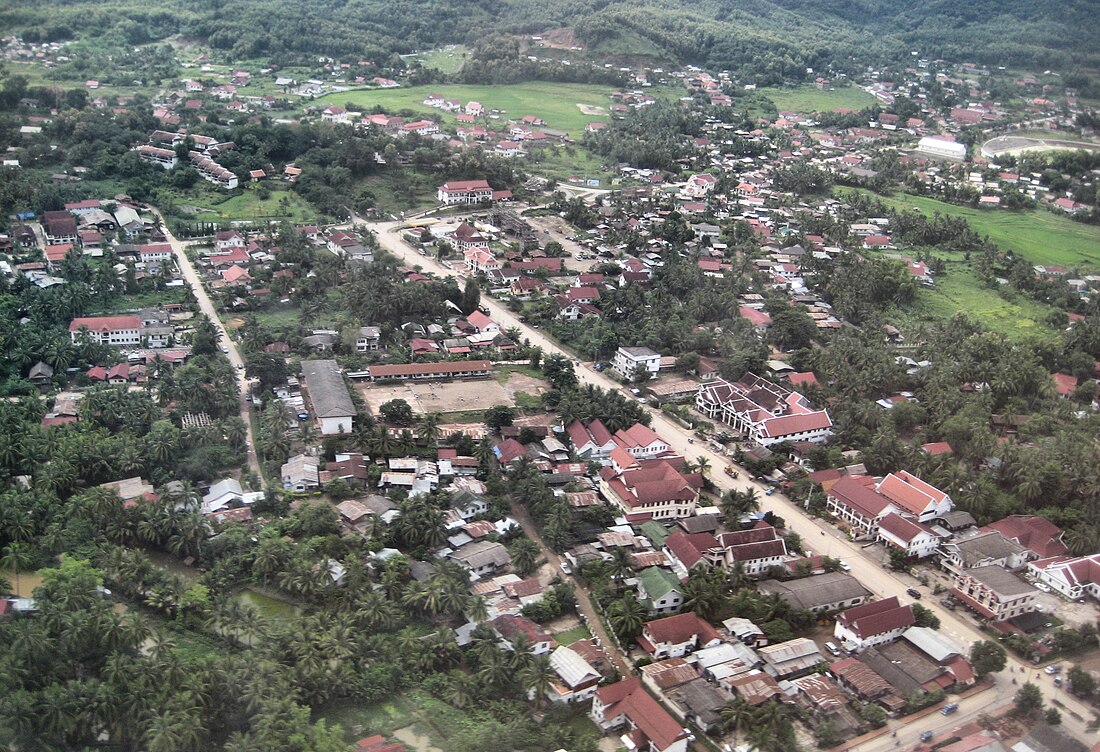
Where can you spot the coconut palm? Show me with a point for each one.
(535, 677)
(736, 715)
(627, 615)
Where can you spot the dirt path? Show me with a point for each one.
(584, 604)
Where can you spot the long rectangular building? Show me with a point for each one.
(766, 413)
(329, 395)
(463, 369)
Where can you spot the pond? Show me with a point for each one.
(265, 605)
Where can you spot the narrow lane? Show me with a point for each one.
(206, 305)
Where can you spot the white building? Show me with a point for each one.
(107, 330)
(329, 395)
(464, 192)
(766, 413)
(914, 539)
(629, 361)
(938, 147)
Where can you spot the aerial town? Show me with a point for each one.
(658, 407)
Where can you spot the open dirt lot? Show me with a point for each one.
(439, 397)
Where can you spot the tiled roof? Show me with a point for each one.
(877, 617)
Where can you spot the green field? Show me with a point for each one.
(1040, 236)
(281, 204)
(569, 636)
(812, 99)
(960, 291)
(449, 59)
(555, 103)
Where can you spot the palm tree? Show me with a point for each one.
(536, 677)
(736, 716)
(427, 428)
(627, 615)
(15, 556)
(620, 566)
(495, 670)
(525, 554)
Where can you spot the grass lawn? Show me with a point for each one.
(1040, 236)
(406, 190)
(569, 636)
(812, 99)
(960, 291)
(278, 318)
(449, 59)
(359, 720)
(555, 103)
(561, 163)
(280, 204)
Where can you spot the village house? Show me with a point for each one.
(300, 474)
(576, 680)
(593, 441)
(481, 557)
(872, 623)
(660, 591)
(792, 658)
(636, 363)
(648, 727)
(916, 540)
(368, 339)
(676, 636)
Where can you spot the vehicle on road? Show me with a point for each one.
(948, 602)
(566, 567)
(1053, 668)
(1042, 586)
(925, 736)
(769, 492)
(225, 349)
(949, 708)
(844, 566)
(1058, 681)
(913, 593)
(730, 471)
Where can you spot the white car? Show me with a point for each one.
(1042, 586)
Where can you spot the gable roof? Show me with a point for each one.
(877, 617)
(629, 698)
(1037, 534)
(679, 629)
(910, 492)
(902, 528)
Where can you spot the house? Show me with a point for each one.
(1037, 535)
(916, 540)
(745, 631)
(593, 441)
(482, 323)
(640, 441)
(464, 192)
(229, 240)
(471, 369)
(300, 474)
(577, 680)
(821, 593)
(481, 557)
(368, 339)
(995, 593)
(698, 702)
(636, 363)
(510, 627)
(873, 623)
(660, 591)
(795, 657)
(676, 636)
(766, 413)
(647, 726)
(1072, 577)
(41, 375)
(1046, 738)
(468, 505)
(755, 550)
(329, 396)
(862, 681)
(980, 550)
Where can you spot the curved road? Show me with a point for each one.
(229, 347)
(817, 535)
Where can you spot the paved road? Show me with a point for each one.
(817, 535)
(206, 305)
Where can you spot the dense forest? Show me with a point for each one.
(767, 40)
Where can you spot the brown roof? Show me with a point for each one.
(654, 723)
(410, 369)
(680, 628)
(877, 617)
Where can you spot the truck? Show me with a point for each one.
(730, 471)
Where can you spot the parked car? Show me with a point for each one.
(949, 708)
(1058, 681)
(913, 593)
(1053, 668)
(1042, 586)
(948, 603)
(832, 648)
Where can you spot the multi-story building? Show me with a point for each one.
(994, 592)
(465, 192)
(632, 362)
(121, 331)
(766, 413)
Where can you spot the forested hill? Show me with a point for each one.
(766, 39)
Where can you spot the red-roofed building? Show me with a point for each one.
(873, 623)
(854, 501)
(651, 489)
(920, 499)
(509, 627)
(641, 441)
(1038, 535)
(802, 380)
(593, 441)
(378, 743)
(675, 636)
(648, 727)
(107, 330)
(756, 317)
(464, 192)
(756, 550)
(914, 539)
(937, 447)
(765, 412)
(509, 451)
(1064, 384)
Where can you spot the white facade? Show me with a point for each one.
(629, 361)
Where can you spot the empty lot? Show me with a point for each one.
(439, 396)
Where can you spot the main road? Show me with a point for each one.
(229, 347)
(816, 534)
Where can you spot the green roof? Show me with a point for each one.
(655, 532)
(658, 582)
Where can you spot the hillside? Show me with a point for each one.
(765, 40)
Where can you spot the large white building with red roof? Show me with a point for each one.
(1072, 577)
(107, 330)
(765, 413)
(755, 550)
(647, 727)
(593, 441)
(464, 192)
(916, 540)
(862, 503)
(656, 489)
(676, 636)
(641, 442)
